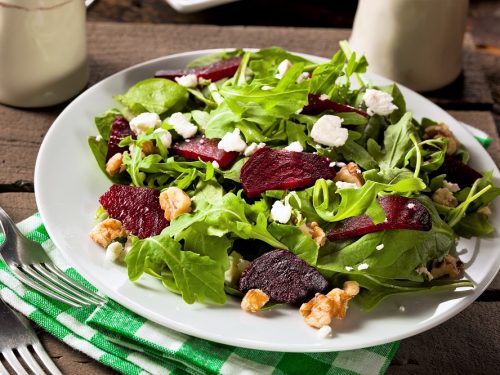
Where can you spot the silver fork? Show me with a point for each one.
(18, 340)
(32, 266)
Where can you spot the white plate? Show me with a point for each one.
(68, 184)
(187, 6)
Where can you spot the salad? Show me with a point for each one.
(277, 180)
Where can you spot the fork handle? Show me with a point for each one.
(9, 228)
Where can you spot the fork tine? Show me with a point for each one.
(66, 278)
(10, 357)
(30, 361)
(3, 370)
(69, 288)
(46, 360)
(49, 284)
(26, 280)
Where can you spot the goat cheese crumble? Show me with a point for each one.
(165, 137)
(144, 122)
(324, 332)
(189, 80)
(182, 126)
(329, 132)
(362, 266)
(378, 102)
(294, 146)
(346, 185)
(281, 212)
(232, 142)
(250, 150)
(283, 67)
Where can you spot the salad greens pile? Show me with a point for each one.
(192, 254)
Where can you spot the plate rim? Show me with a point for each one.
(244, 343)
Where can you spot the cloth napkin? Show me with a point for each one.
(130, 344)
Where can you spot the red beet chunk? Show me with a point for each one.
(317, 105)
(214, 72)
(458, 172)
(120, 129)
(138, 208)
(283, 277)
(400, 213)
(204, 149)
(269, 169)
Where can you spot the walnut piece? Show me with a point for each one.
(450, 268)
(314, 231)
(442, 130)
(444, 197)
(350, 173)
(320, 310)
(149, 148)
(254, 300)
(422, 270)
(174, 202)
(107, 231)
(114, 164)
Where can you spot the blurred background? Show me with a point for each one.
(483, 22)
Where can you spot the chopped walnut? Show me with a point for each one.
(114, 164)
(451, 186)
(485, 210)
(320, 310)
(254, 300)
(107, 231)
(314, 231)
(149, 148)
(445, 197)
(422, 270)
(442, 130)
(174, 202)
(449, 268)
(350, 173)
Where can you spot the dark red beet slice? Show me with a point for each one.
(120, 129)
(458, 172)
(138, 208)
(218, 70)
(269, 169)
(317, 105)
(204, 149)
(283, 277)
(400, 213)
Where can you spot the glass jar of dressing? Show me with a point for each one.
(43, 52)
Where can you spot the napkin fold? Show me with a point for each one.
(130, 344)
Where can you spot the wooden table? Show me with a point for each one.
(467, 343)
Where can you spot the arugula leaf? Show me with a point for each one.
(197, 277)
(357, 153)
(154, 95)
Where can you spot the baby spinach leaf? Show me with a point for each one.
(104, 122)
(297, 242)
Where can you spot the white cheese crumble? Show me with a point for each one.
(165, 137)
(114, 251)
(340, 164)
(182, 126)
(294, 146)
(410, 205)
(348, 268)
(378, 102)
(303, 76)
(266, 88)
(98, 138)
(362, 266)
(189, 80)
(324, 97)
(283, 67)
(451, 186)
(236, 266)
(281, 212)
(144, 122)
(379, 247)
(402, 308)
(250, 150)
(232, 142)
(346, 185)
(329, 132)
(215, 164)
(332, 164)
(324, 332)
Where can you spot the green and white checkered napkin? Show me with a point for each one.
(147, 348)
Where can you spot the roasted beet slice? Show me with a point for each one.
(317, 105)
(138, 208)
(269, 169)
(400, 213)
(120, 129)
(214, 72)
(204, 149)
(458, 172)
(283, 277)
